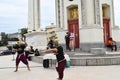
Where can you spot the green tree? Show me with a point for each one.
(24, 31)
(4, 40)
(0, 43)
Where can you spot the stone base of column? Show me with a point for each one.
(37, 40)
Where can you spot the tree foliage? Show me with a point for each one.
(24, 31)
(4, 40)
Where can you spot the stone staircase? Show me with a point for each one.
(88, 59)
(96, 60)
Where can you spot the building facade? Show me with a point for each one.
(92, 22)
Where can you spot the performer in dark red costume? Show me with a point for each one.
(58, 51)
(19, 47)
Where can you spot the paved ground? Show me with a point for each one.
(7, 66)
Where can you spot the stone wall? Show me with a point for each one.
(37, 40)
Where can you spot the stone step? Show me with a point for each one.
(86, 61)
(72, 54)
(95, 61)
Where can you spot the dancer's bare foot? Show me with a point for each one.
(15, 70)
(59, 79)
(28, 69)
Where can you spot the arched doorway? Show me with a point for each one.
(73, 23)
(106, 22)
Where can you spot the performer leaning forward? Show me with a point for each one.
(58, 51)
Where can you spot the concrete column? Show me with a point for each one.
(90, 12)
(62, 14)
(37, 14)
(112, 15)
(33, 15)
(84, 12)
(97, 12)
(56, 9)
(30, 15)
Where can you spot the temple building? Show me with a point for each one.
(91, 21)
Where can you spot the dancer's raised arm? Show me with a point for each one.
(54, 50)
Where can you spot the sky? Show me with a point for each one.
(14, 14)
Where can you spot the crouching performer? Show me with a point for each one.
(19, 48)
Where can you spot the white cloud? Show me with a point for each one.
(14, 13)
(8, 10)
(13, 8)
